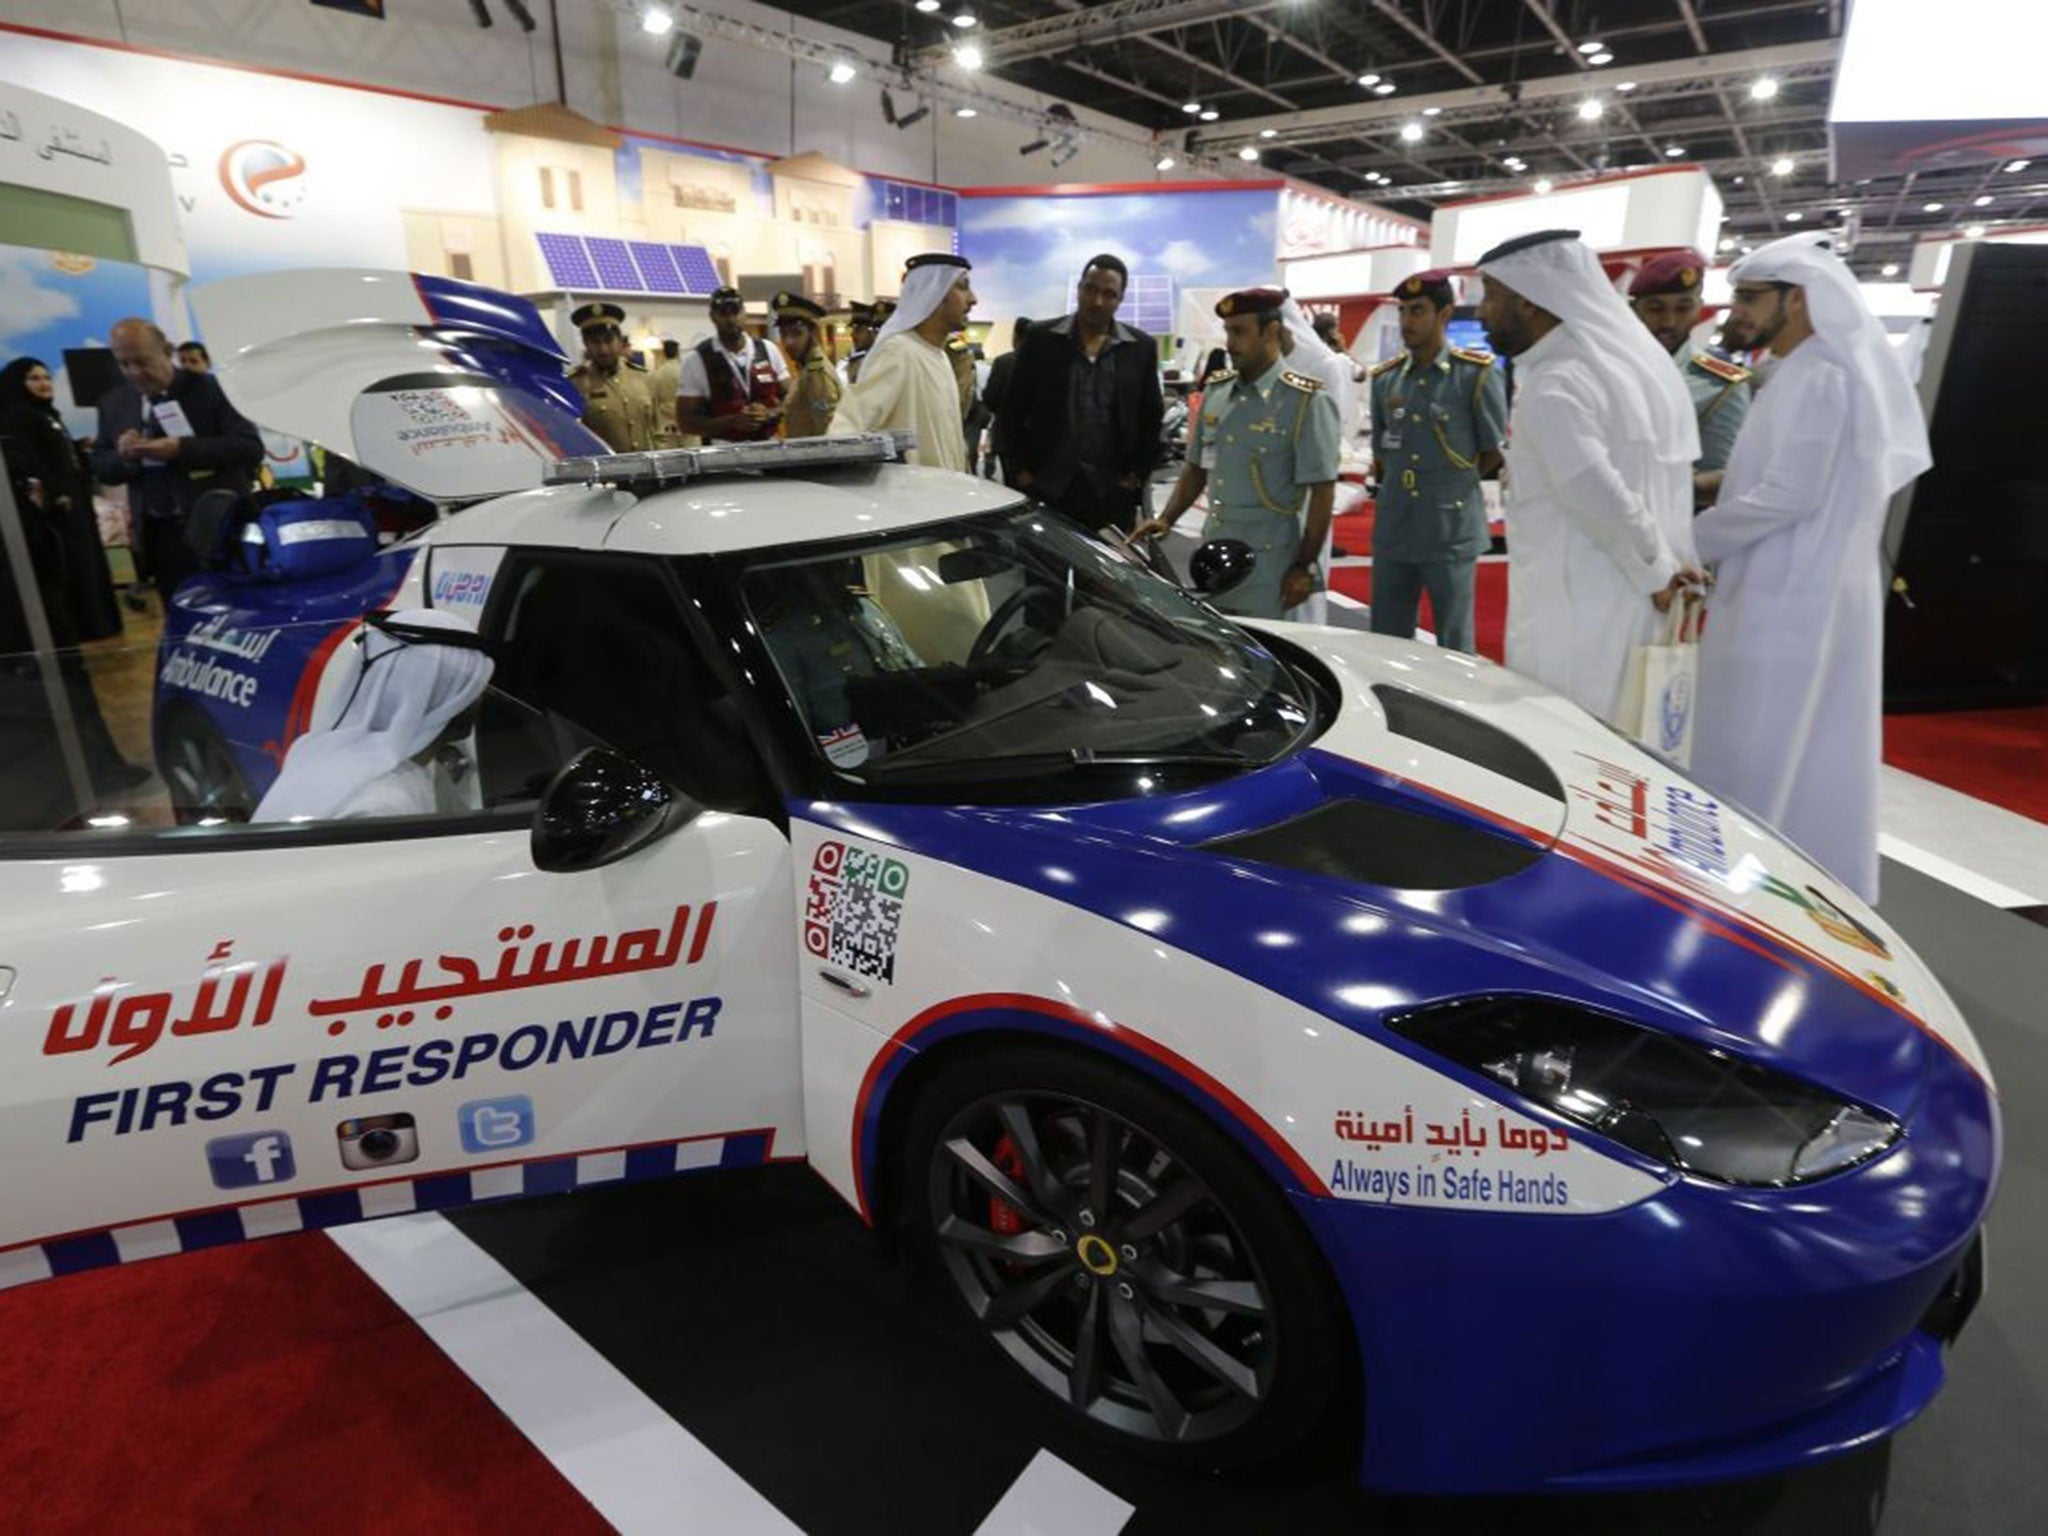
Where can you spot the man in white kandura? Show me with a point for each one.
(1788, 723)
(1601, 439)
(907, 379)
(416, 692)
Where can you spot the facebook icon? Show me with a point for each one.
(261, 1157)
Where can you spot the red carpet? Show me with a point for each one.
(1999, 755)
(261, 1388)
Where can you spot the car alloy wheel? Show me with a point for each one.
(204, 780)
(1123, 1254)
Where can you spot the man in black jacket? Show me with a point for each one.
(1080, 421)
(168, 434)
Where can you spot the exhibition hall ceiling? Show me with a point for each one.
(1414, 103)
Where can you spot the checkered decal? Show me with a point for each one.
(854, 908)
(338, 1207)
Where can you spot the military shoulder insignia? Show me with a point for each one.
(1388, 366)
(1221, 376)
(1301, 381)
(1721, 368)
(1473, 355)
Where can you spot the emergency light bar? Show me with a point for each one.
(675, 466)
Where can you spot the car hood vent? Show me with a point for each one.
(1370, 843)
(1451, 730)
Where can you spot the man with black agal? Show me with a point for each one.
(908, 379)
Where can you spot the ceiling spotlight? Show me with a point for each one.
(1191, 107)
(1727, 242)
(1034, 146)
(1625, 85)
(963, 112)
(1889, 269)
(928, 6)
(1432, 111)
(1592, 47)
(1601, 58)
(1763, 89)
(841, 72)
(2014, 167)
(1591, 108)
(1209, 114)
(1411, 133)
(1067, 150)
(1931, 208)
(1794, 216)
(1982, 202)
(1973, 231)
(1249, 152)
(968, 57)
(1782, 166)
(1543, 186)
(1163, 163)
(909, 119)
(963, 19)
(1384, 88)
(1368, 80)
(1738, 180)
(1274, 133)
(657, 20)
(1674, 152)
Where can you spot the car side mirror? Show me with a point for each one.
(1221, 565)
(600, 807)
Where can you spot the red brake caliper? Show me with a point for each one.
(1004, 1217)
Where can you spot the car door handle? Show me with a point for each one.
(845, 984)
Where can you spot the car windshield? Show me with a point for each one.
(1009, 641)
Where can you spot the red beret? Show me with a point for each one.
(1251, 301)
(1435, 284)
(1679, 271)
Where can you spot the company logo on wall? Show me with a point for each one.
(264, 177)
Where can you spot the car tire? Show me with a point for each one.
(199, 770)
(1213, 1334)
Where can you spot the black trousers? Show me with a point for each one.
(1091, 506)
(167, 556)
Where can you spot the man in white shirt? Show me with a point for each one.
(1601, 439)
(1789, 722)
(731, 386)
(907, 379)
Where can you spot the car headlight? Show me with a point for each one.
(1695, 1109)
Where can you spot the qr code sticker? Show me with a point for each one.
(429, 408)
(853, 909)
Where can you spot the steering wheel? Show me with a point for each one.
(1008, 609)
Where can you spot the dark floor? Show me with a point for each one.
(757, 1310)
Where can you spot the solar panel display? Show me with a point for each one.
(699, 273)
(568, 263)
(615, 269)
(657, 265)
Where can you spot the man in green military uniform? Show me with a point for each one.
(1665, 294)
(618, 401)
(1265, 447)
(825, 630)
(1439, 418)
(814, 387)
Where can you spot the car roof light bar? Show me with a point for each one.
(676, 466)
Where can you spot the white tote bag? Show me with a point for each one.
(1662, 683)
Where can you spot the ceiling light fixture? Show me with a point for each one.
(1590, 109)
(1209, 114)
(1368, 80)
(1763, 89)
(911, 119)
(968, 57)
(1931, 208)
(1269, 133)
(1794, 216)
(1543, 186)
(1783, 166)
(1674, 152)
(1973, 231)
(1163, 163)
(1889, 269)
(1625, 85)
(928, 6)
(1384, 88)
(1249, 152)
(657, 21)
(2014, 167)
(963, 20)
(1982, 202)
(1592, 47)
(1411, 133)
(841, 73)
(963, 112)
(1601, 58)
(1191, 107)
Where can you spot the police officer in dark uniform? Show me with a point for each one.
(1439, 419)
(731, 385)
(618, 399)
(1665, 294)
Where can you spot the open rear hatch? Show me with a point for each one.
(450, 389)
